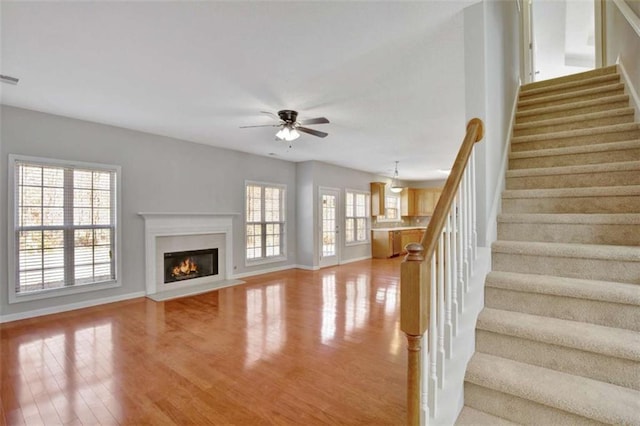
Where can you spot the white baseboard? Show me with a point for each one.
(629, 87)
(69, 307)
(357, 259)
(496, 205)
(264, 271)
(308, 268)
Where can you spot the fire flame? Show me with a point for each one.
(185, 267)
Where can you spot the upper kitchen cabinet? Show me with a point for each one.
(408, 202)
(426, 200)
(377, 198)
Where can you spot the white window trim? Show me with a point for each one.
(383, 219)
(283, 237)
(16, 297)
(367, 218)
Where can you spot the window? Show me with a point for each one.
(265, 222)
(64, 225)
(391, 209)
(356, 217)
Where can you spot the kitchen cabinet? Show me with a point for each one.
(426, 200)
(390, 242)
(410, 236)
(377, 198)
(385, 244)
(408, 202)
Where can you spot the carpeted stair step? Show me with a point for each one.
(573, 96)
(604, 199)
(583, 121)
(472, 417)
(573, 109)
(586, 83)
(612, 69)
(576, 155)
(607, 354)
(585, 261)
(609, 229)
(597, 135)
(530, 394)
(604, 174)
(606, 303)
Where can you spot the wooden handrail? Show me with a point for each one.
(475, 132)
(416, 271)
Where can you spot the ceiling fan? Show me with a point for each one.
(290, 126)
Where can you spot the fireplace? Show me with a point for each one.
(187, 265)
(192, 234)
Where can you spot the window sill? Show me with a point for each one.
(59, 292)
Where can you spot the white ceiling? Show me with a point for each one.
(388, 75)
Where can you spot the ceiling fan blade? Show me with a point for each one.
(312, 132)
(319, 120)
(271, 114)
(261, 125)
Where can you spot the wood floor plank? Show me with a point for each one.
(290, 347)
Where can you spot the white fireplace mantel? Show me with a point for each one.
(178, 224)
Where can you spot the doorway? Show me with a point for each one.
(329, 226)
(561, 37)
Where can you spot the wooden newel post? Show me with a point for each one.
(414, 315)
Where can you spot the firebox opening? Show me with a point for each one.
(186, 265)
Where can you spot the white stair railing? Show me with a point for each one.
(434, 281)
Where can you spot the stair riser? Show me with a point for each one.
(542, 103)
(617, 371)
(607, 121)
(583, 180)
(569, 308)
(631, 154)
(570, 111)
(576, 233)
(598, 204)
(558, 90)
(518, 409)
(571, 267)
(583, 140)
(570, 78)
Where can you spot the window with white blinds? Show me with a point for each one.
(64, 224)
(265, 222)
(356, 217)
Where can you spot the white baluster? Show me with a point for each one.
(433, 344)
(473, 205)
(454, 264)
(448, 326)
(424, 386)
(460, 240)
(441, 265)
(469, 229)
(465, 225)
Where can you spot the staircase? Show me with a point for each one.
(558, 341)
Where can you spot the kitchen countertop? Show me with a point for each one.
(400, 228)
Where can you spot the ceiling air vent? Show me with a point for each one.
(9, 79)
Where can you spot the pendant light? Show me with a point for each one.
(395, 187)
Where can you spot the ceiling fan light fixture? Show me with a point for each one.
(288, 134)
(395, 187)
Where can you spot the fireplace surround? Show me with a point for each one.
(174, 232)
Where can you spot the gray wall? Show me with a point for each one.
(159, 174)
(313, 175)
(492, 69)
(621, 41)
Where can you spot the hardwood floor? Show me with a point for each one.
(294, 347)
